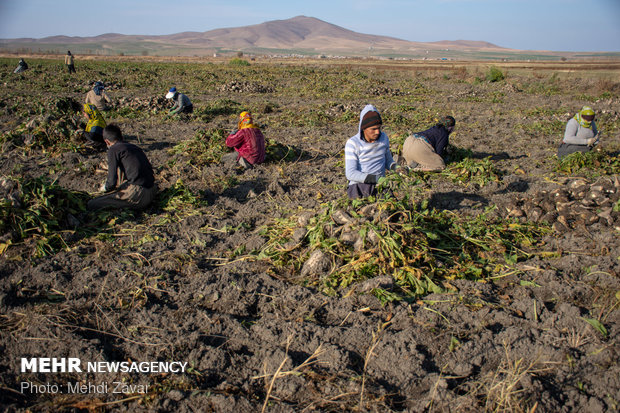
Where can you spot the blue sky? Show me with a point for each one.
(559, 25)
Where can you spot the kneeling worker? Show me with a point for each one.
(248, 143)
(182, 104)
(424, 150)
(130, 168)
(367, 155)
(581, 133)
(94, 128)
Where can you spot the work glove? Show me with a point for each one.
(592, 141)
(370, 179)
(102, 187)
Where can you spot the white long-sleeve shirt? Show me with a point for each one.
(576, 134)
(364, 158)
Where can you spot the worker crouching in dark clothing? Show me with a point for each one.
(130, 169)
(22, 66)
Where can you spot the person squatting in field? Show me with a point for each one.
(182, 104)
(248, 143)
(424, 151)
(130, 181)
(69, 62)
(367, 155)
(581, 133)
(21, 66)
(98, 97)
(95, 125)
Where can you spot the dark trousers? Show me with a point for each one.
(234, 158)
(95, 136)
(126, 196)
(361, 190)
(567, 149)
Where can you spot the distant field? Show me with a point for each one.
(163, 49)
(586, 67)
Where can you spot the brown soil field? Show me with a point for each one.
(491, 286)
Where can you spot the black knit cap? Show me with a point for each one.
(447, 121)
(371, 119)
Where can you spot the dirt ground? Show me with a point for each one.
(188, 284)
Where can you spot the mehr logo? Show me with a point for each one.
(73, 365)
(51, 365)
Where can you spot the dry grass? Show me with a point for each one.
(313, 359)
(502, 389)
(576, 339)
(602, 85)
(376, 338)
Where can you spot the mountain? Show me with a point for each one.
(306, 33)
(301, 34)
(309, 33)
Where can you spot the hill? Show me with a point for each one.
(301, 35)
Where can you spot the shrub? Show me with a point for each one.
(494, 74)
(238, 62)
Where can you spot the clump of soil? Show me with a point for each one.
(244, 86)
(150, 103)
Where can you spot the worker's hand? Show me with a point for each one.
(102, 187)
(399, 169)
(592, 141)
(370, 179)
(403, 170)
(399, 160)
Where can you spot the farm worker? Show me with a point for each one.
(248, 142)
(367, 155)
(182, 104)
(69, 62)
(21, 66)
(130, 169)
(95, 125)
(581, 134)
(423, 151)
(98, 97)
